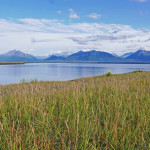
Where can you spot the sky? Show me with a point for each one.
(46, 27)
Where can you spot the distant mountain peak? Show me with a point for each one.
(142, 52)
(17, 56)
(93, 50)
(140, 55)
(54, 57)
(92, 55)
(80, 52)
(14, 53)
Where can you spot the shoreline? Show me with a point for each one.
(101, 75)
(11, 63)
(88, 62)
(94, 62)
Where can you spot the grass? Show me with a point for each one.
(88, 113)
(29, 81)
(109, 74)
(135, 71)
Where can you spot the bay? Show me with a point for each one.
(62, 71)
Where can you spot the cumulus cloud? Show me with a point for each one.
(94, 16)
(72, 14)
(44, 36)
(140, 0)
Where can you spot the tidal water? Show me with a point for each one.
(62, 71)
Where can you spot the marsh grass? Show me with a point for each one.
(135, 71)
(88, 113)
(29, 81)
(109, 74)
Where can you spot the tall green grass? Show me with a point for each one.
(89, 113)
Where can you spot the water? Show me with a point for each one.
(62, 71)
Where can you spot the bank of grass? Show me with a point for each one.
(104, 112)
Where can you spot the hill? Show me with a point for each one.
(55, 58)
(17, 56)
(93, 56)
(140, 55)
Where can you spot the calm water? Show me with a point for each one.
(62, 71)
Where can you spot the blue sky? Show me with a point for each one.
(38, 26)
(131, 12)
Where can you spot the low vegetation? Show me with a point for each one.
(90, 113)
(108, 74)
(135, 71)
(29, 81)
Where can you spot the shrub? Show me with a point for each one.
(109, 74)
(135, 71)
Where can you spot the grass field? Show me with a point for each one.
(104, 112)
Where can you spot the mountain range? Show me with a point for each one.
(19, 56)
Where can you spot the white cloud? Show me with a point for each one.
(72, 14)
(42, 36)
(94, 16)
(140, 0)
(59, 12)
